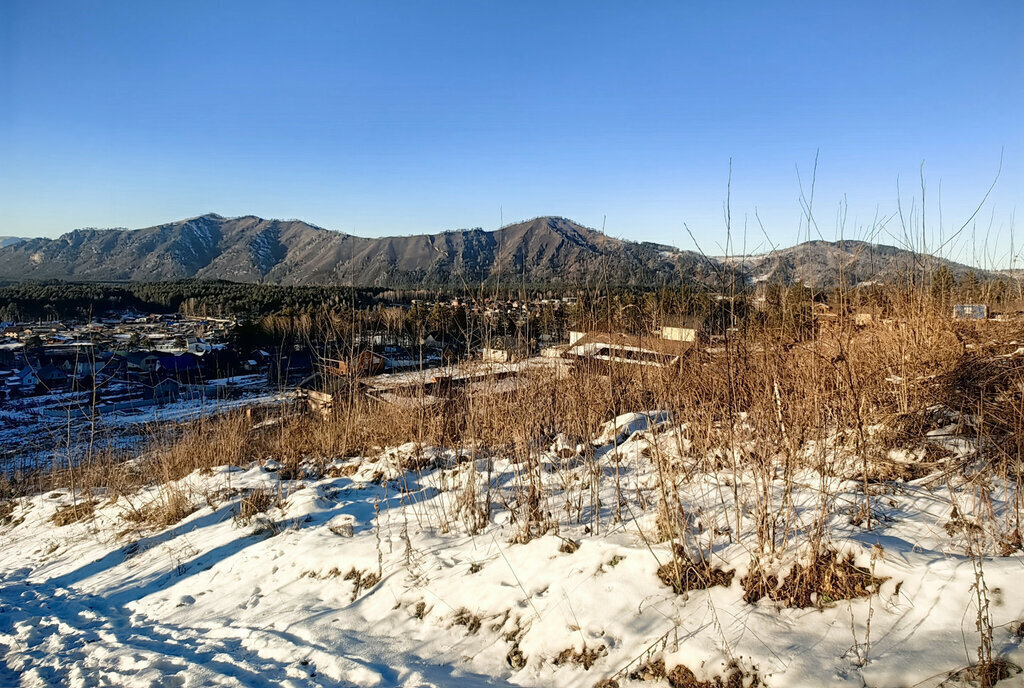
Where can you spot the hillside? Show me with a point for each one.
(250, 249)
(830, 263)
(548, 251)
(555, 528)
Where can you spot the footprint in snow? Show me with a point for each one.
(254, 599)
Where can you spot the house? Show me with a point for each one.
(970, 311)
(683, 329)
(165, 391)
(387, 358)
(1007, 311)
(141, 361)
(602, 349)
(10, 351)
(507, 349)
(254, 361)
(24, 380)
(366, 362)
(180, 366)
(9, 383)
(398, 358)
(290, 365)
(866, 316)
(87, 368)
(197, 346)
(218, 363)
(824, 316)
(321, 392)
(495, 355)
(51, 376)
(444, 346)
(421, 390)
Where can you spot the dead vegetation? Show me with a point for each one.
(254, 503)
(684, 575)
(983, 675)
(681, 676)
(170, 506)
(334, 572)
(7, 512)
(585, 657)
(875, 405)
(819, 582)
(472, 622)
(74, 512)
(361, 581)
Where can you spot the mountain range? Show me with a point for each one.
(544, 251)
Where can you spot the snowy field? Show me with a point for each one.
(385, 571)
(36, 431)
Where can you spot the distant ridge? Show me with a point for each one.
(850, 262)
(552, 251)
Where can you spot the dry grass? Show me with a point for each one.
(820, 582)
(6, 512)
(754, 405)
(683, 575)
(681, 676)
(256, 502)
(584, 658)
(756, 409)
(73, 513)
(464, 617)
(790, 393)
(361, 581)
(170, 506)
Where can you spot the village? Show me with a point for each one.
(66, 386)
(130, 360)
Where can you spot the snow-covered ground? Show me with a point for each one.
(383, 571)
(38, 430)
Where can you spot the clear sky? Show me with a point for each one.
(405, 117)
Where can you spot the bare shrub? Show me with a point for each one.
(6, 512)
(651, 670)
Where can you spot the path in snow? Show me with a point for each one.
(63, 637)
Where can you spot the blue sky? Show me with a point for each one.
(382, 117)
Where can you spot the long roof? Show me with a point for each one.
(665, 347)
